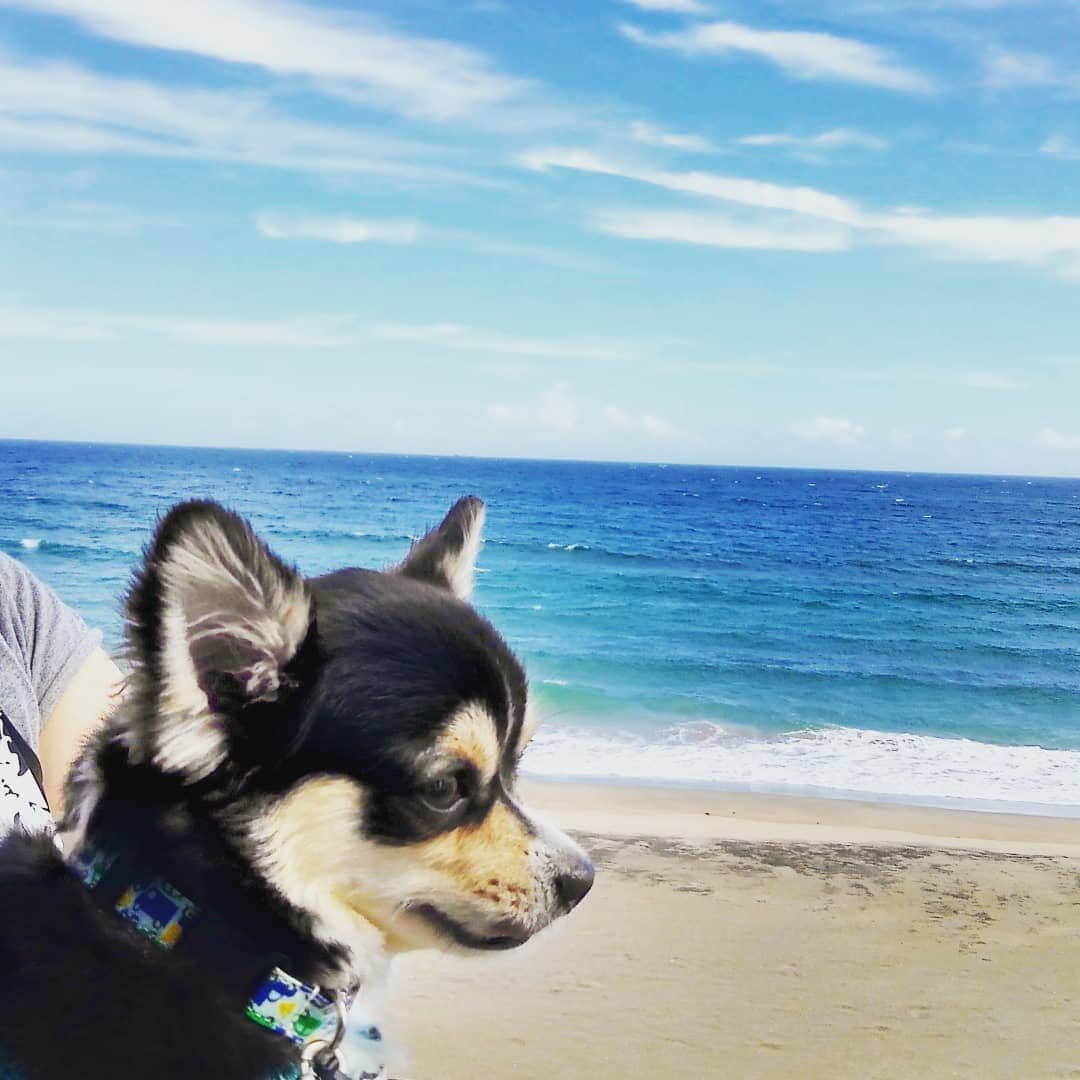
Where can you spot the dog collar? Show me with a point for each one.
(314, 1021)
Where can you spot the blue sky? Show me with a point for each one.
(676, 230)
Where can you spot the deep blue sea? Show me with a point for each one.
(893, 635)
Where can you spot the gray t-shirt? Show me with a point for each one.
(43, 643)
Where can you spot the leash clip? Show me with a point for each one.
(319, 1059)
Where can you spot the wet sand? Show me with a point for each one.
(760, 936)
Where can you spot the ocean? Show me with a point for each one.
(876, 635)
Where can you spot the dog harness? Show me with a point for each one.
(327, 1030)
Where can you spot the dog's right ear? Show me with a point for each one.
(213, 619)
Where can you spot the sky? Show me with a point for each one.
(841, 235)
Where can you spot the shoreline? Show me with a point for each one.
(736, 934)
(616, 808)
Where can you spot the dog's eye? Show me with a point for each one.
(442, 795)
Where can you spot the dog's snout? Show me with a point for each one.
(573, 882)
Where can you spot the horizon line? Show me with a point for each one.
(540, 460)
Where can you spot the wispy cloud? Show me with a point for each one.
(61, 325)
(714, 230)
(357, 56)
(652, 135)
(470, 339)
(991, 380)
(674, 7)
(556, 411)
(60, 107)
(833, 139)
(800, 54)
(305, 332)
(757, 193)
(559, 411)
(1062, 147)
(1010, 69)
(1053, 439)
(837, 431)
(627, 420)
(84, 216)
(338, 230)
(1049, 243)
(343, 229)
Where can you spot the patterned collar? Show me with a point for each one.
(316, 1022)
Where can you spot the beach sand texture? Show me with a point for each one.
(753, 936)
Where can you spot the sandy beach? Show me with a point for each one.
(757, 936)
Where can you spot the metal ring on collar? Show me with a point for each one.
(324, 1051)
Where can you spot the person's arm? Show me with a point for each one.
(88, 698)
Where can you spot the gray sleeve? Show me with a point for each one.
(46, 637)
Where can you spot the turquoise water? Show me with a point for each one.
(907, 636)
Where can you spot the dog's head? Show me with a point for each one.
(357, 735)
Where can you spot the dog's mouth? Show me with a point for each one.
(509, 933)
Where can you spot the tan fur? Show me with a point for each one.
(310, 845)
(489, 861)
(471, 735)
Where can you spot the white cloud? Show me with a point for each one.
(756, 193)
(653, 425)
(620, 419)
(674, 7)
(555, 412)
(1048, 243)
(351, 54)
(801, 54)
(1058, 440)
(1006, 69)
(834, 139)
(59, 325)
(313, 331)
(713, 230)
(890, 7)
(470, 339)
(956, 434)
(558, 411)
(1061, 146)
(651, 135)
(991, 380)
(59, 107)
(349, 230)
(87, 216)
(341, 230)
(829, 429)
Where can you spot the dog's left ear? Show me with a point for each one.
(446, 556)
(213, 618)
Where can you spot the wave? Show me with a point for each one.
(838, 762)
(30, 543)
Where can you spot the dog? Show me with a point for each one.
(306, 777)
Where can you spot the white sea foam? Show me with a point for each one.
(31, 543)
(832, 761)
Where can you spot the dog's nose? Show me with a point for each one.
(573, 882)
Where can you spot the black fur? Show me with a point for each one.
(384, 661)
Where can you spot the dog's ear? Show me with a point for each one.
(213, 619)
(446, 556)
